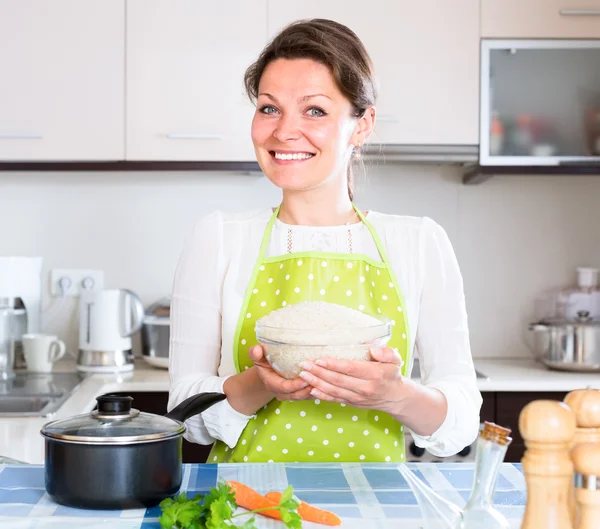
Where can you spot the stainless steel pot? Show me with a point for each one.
(568, 345)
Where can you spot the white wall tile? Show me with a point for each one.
(515, 236)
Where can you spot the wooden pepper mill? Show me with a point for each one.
(585, 404)
(547, 427)
(586, 460)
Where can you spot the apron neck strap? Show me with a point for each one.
(267, 234)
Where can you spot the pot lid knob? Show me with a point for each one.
(585, 404)
(111, 404)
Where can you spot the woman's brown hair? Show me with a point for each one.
(331, 44)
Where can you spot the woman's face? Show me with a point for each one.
(303, 129)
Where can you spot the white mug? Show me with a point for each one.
(41, 351)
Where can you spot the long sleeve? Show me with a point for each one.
(443, 343)
(212, 276)
(195, 341)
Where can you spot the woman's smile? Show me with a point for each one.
(282, 157)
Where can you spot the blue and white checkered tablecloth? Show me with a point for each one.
(363, 495)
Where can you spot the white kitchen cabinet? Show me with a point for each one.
(576, 19)
(426, 56)
(62, 90)
(185, 66)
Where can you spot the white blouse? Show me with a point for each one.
(210, 282)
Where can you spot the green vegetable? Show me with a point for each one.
(215, 510)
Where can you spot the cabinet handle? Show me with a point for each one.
(580, 12)
(20, 136)
(386, 118)
(192, 136)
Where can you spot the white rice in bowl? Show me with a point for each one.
(315, 329)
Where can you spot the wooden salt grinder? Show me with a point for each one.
(547, 427)
(586, 460)
(585, 404)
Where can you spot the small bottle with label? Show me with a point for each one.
(491, 449)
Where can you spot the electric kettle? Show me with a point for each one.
(107, 320)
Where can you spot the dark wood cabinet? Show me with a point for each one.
(500, 407)
(488, 407)
(507, 410)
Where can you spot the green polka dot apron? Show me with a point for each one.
(315, 430)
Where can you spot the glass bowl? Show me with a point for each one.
(286, 348)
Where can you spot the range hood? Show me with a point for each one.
(446, 154)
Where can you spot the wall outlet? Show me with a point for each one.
(75, 281)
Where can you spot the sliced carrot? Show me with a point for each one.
(248, 498)
(309, 512)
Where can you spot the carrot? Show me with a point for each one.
(308, 512)
(248, 498)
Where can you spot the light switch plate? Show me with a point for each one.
(75, 281)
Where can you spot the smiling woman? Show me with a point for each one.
(315, 106)
(323, 77)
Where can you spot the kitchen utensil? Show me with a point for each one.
(586, 463)
(20, 308)
(118, 457)
(584, 297)
(107, 320)
(41, 351)
(156, 334)
(547, 427)
(480, 512)
(585, 404)
(568, 345)
(285, 355)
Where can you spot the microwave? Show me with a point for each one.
(540, 104)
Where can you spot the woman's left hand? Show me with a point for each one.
(362, 384)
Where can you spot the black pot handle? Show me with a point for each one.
(194, 405)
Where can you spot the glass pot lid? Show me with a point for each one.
(114, 422)
(583, 319)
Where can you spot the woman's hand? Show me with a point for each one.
(374, 385)
(282, 388)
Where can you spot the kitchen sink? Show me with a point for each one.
(36, 394)
(416, 371)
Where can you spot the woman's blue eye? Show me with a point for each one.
(267, 109)
(316, 112)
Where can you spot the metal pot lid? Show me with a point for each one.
(583, 318)
(114, 422)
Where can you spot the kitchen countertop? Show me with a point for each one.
(20, 437)
(363, 495)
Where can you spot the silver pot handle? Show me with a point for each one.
(537, 327)
(534, 327)
(138, 313)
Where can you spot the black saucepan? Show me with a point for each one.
(118, 457)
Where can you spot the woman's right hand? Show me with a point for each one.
(282, 388)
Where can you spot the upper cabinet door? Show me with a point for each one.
(426, 57)
(185, 66)
(62, 90)
(577, 19)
